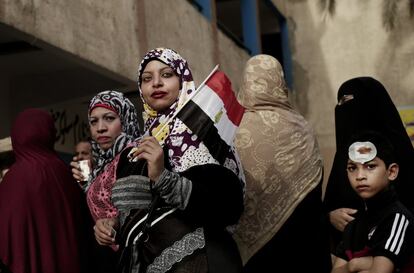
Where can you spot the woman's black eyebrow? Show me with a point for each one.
(104, 115)
(161, 69)
(109, 113)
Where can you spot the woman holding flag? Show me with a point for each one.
(181, 191)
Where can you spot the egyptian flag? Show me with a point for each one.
(214, 115)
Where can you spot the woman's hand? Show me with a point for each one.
(105, 231)
(150, 150)
(339, 218)
(76, 172)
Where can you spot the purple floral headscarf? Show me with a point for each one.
(185, 149)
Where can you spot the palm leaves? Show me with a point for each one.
(389, 11)
(327, 6)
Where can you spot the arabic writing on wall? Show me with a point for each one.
(70, 128)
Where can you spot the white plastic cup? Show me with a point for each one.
(85, 168)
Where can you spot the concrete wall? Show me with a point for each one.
(327, 48)
(71, 123)
(354, 40)
(115, 34)
(5, 109)
(178, 25)
(110, 37)
(94, 31)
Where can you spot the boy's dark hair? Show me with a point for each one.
(385, 149)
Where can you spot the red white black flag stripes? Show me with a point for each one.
(214, 114)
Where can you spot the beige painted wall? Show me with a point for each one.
(115, 34)
(178, 24)
(328, 49)
(112, 36)
(94, 32)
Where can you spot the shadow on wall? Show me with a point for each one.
(306, 90)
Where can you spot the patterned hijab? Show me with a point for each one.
(122, 106)
(279, 153)
(184, 148)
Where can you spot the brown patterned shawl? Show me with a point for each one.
(279, 154)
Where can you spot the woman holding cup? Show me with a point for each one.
(113, 125)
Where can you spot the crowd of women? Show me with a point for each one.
(161, 200)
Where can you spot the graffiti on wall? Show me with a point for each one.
(70, 128)
(407, 116)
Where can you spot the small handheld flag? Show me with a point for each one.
(214, 114)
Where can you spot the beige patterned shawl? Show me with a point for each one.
(279, 154)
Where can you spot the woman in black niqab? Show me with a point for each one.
(364, 104)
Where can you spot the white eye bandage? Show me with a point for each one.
(362, 152)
